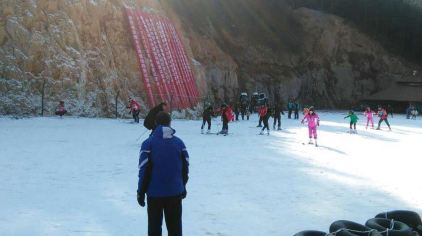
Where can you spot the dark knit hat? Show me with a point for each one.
(163, 118)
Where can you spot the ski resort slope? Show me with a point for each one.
(78, 176)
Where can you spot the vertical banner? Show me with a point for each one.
(163, 61)
(141, 59)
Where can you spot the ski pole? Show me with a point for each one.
(141, 135)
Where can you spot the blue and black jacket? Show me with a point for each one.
(163, 164)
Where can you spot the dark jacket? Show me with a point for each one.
(149, 121)
(163, 164)
(277, 111)
(206, 115)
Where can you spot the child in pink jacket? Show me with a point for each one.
(369, 117)
(313, 121)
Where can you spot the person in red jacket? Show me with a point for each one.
(383, 115)
(262, 112)
(135, 108)
(226, 117)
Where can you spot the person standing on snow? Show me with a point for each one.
(296, 110)
(262, 112)
(313, 121)
(383, 115)
(149, 121)
(265, 119)
(135, 108)
(290, 107)
(163, 175)
(226, 117)
(277, 116)
(353, 120)
(60, 110)
(206, 118)
(369, 117)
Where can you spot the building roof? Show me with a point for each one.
(402, 91)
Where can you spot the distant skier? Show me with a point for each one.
(226, 117)
(409, 110)
(353, 120)
(415, 113)
(296, 110)
(149, 121)
(206, 118)
(135, 108)
(369, 117)
(60, 110)
(236, 111)
(383, 115)
(248, 113)
(277, 116)
(389, 110)
(313, 121)
(262, 112)
(265, 121)
(290, 107)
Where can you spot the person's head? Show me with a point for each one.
(350, 112)
(368, 108)
(163, 118)
(311, 110)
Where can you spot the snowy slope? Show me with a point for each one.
(77, 176)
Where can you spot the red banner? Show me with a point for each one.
(162, 60)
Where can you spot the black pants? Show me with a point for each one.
(226, 126)
(277, 119)
(296, 114)
(352, 124)
(260, 121)
(135, 115)
(172, 209)
(386, 121)
(290, 114)
(237, 115)
(208, 121)
(265, 121)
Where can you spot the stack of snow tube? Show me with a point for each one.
(392, 223)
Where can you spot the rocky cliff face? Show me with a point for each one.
(80, 51)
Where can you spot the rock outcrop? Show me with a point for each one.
(80, 51)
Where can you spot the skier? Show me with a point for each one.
(290, 107)
(389, 110)
(149, 121)
(226, 117)
(265, 119)
(409, 111)
(414, 113)
(236, 111)
(383, 115)
(163, 175)
(277, 116)
(262, 112)
(206, 118)
(369, 117)
(353, 120)
(296, 110)
(60, 110)
(248, 113)
(135, 108)
(313, 121)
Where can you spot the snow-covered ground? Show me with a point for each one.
(78, 176)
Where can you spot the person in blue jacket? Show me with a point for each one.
(163, 174)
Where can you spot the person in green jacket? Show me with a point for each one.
(353, 120)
